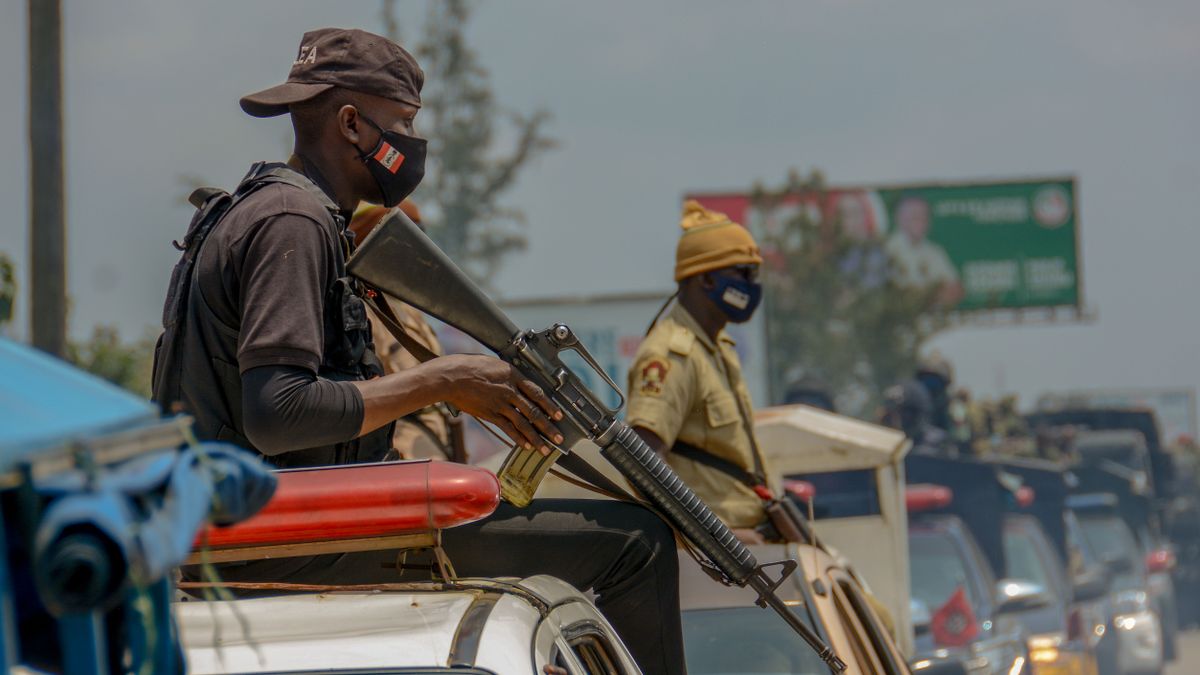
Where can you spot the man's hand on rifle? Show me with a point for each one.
(495, 392)
(482, 386)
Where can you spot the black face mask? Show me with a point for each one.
(397, 163)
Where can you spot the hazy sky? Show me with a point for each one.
(651, 100)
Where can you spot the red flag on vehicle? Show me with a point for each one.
(954, 624)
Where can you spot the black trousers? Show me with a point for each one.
(623, 553)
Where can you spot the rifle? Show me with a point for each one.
(398, 258)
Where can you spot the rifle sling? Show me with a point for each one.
(702, 456)
(383, 310)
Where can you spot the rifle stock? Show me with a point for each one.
(400, 259)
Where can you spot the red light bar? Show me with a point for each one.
(1025, 496)
(800, 489)
(363, 501)
(927, 496)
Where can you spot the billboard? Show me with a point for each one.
(987, 245)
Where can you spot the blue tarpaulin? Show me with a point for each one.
(121, 494)
(46, 402)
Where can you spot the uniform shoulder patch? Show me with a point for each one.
(652, 376)
(681, 341)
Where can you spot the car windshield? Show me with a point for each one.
(1128, 456)
(1111, 539)
(936, 569)
(764, 644)
(1021, 557)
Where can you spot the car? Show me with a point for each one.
(1142, 421)
(1151, 487)
(1060, 639)
(477, 626)
(1133, 501)
(725, 633)
(1135, 620)
(959, 608)
(1088, 572)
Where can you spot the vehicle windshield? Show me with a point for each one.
(1110, 538)
(745, 641)
(936, 569)
(1128, 456)
(1024, 563)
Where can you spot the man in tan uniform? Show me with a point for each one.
(686, 394)
(425, 433)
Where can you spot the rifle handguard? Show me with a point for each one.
(662, 487)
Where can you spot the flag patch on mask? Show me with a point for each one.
(389, 157)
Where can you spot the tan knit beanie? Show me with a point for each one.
(711, 241)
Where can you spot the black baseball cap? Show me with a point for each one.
(342, 57)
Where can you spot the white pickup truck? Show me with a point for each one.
(495, 626)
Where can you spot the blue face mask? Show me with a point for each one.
(737, 296)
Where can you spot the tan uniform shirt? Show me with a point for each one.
(409, 440)
(684, 387)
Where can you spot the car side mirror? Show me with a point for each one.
(1015, 595)
(1090, 584)
(1117, 565)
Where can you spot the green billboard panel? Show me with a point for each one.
(985, 245)
(1005, 245)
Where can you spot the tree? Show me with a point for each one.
(8, 288)
(466, 174)
(127, 365)
(834, 311)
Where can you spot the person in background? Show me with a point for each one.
(687, 398)
(907, 407)
(810, 391)
(936, 374)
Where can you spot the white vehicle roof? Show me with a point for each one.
(486, 623)
(803, 439)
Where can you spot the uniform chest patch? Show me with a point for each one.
(652, 377)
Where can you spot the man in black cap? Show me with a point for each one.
(276, 352)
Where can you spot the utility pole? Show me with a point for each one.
(47, 205)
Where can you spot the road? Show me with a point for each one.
(1188, 662)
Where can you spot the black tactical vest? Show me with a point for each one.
(195, 360)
